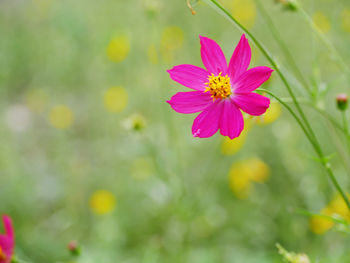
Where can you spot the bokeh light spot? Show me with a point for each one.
(102, 202)
(118, 48)
(61, 117)
(115, 99)
(322, 22)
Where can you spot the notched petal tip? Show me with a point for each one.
(233, 136)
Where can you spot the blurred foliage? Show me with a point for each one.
(91, 152)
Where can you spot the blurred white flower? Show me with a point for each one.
(18, 118)
(160, 193)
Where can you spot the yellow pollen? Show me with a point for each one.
(2, 255)
(218, 86)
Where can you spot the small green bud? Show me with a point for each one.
(135, 122)
(342, 101)
(289, 5)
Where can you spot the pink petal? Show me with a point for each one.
(240, 59)
(212, 56)
(207, 123)
(189, 76)
(190, 102)
(7, 241)
(252, 103)
(8, 226)
(231, 122)
(252, 79)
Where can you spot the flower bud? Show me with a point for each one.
(342, 101)
(135, 122)
(74, 248)
(289, 5)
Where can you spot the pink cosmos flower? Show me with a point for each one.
(221, 90)
(7, 241)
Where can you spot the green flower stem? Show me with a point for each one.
(283, 46)
(302, 126)
(323, 160)
(322, 112)
(275, 66)
(303, 122)
(346, 127)
(325, 40)
(345, 123)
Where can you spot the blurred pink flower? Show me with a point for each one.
(7, 241)
(221, 90)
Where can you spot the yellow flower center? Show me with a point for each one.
(218, 86)
(2, 255)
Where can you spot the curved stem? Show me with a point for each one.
(291, 112)
(274, 65)
(303, 122)
(325, 40)
(323, 159)
(282, 45)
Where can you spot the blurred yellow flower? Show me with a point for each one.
(322, 22)
(243, 173)
(102, 202)
(230, 147)
(240, 185)
(171, 40)
(244, 11)
(345, 19)
(152, 54)
(319, 224)
(337, 206)
(41, 9)
(61, 117)
(115, 99)
(142, 168)
(118, 48)
(172, 37)
(272, 114)
(36, 100)
(259, 171)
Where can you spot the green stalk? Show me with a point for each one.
(323, 160)
(274, 65)
(303, 122)
(283, 46)
(345, 123)
(325, 40)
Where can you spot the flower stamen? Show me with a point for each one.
(219, 86)
(2, 255)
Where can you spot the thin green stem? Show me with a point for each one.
(346, 128)
(325, 40)
(302, 126)
(283, 46)
(303, 122)
(323, 159)
(274, 65)
(324, 113)
(345, 123)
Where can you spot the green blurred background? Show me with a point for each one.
(90, 151)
